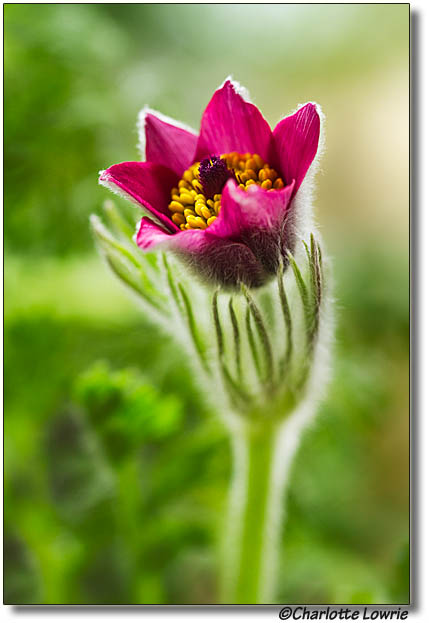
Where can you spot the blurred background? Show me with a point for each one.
(115, 473)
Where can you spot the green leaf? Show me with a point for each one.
(252, 342)
(287, 321)
(117, 221)
(108, 242)
(125, 266)
(170, 281)
(304, 294)
(238, 396)
(193, 329)
(262, 334)
(236, 332)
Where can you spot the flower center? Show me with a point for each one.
(213, 174)
(196, 202)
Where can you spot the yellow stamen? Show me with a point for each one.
(178, 218)
(176, 206)
(186, 199)
(206, 213)
(191, 209)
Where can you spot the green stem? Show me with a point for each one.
(252, 532)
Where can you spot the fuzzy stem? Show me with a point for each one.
(255, 511)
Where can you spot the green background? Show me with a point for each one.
(115, 472)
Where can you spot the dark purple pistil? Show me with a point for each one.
(213, 174)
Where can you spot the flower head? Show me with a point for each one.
(224, 199)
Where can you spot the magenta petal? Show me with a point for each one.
(165, 142)
(145, 183)
(149, 235)
(229, 123)
(296, 139)
(254, 209)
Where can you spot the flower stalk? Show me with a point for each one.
(251, 519)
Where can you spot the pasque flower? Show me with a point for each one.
(233, 202)
(223, 199)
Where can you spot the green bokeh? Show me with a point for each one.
(115, 472)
